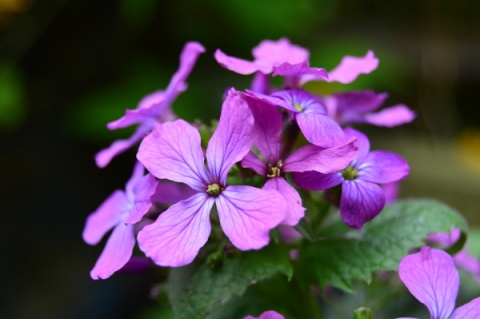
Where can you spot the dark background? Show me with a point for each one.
(69, 67)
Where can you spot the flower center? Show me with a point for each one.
(274, 171)
(298, 106)
(214, 189)
(349, 173)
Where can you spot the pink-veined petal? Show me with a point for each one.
(267, 315)
(168, 192)
(177, 235)
(362, 142)
(320, 130)
(295, 210)
(390, 117)
(272, 100)
(239, 65)
(247, 214)
(172, 151)
(431, 277)
(383, 167)
(316, 181)
(109, 214)
(137, 175)
(322, 160)
(253, 162)
(361, 201)
(104, 157)
(232, 139)
(470, 310)
(358, 102)
(117, 252)
(351, 67)
(143, 190)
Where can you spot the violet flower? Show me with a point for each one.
(431, 277)
(271, 314)
(359, 107)
(361, 197)
(268, 130)
(120, 211)
(291, 61)
(247, 214)
(153, 108)
(309, 113)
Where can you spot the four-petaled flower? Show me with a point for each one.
(431, 277)
(247, 214)
(270, 314)
(362, 198)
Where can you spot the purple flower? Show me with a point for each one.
(463, 258)
(359, 107)
(361, 197)
(153, 108)
(431, 277)
(267, 315)
(309, 113)
(120, 211)
(247, 214)
(282, 58)
(268, 130)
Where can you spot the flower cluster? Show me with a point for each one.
(292, 138)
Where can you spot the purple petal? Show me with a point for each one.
(272, 100)
(172, 151)
(317, 181)
(431, 277)
(138, 173)
(361, 201)
(273, 53)
(383, 167)
(322, 160)
(188, 58)
(261, 83)
(391, 191)
(247, 214)
(146, 112)
(267, 315)
(104, 157)
(470, 310)
(358, 101)
(351, 67)
(392, 116)
(268, 127)
(300, 69)
(109, 214)
(117, 252)
(239, 65)
(253, 162)
(175, 238)
(168, 192)
(320, 129)
(467, 262)
(362, 143)
(295, 210)
(144, 190)
(232, 139)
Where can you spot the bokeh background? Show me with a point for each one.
(67, 67)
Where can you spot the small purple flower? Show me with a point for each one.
(291, 61)
(271, 314)
(247, 214)
(309, 113)
(120, 211)
(431, 277)
(153, 108)
(268, 130)
(463, 258)
(361, 197)
(359, 107)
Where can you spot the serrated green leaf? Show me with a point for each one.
(195, 290)
(379, 246)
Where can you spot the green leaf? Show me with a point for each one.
(195, 290)
(379, 246)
